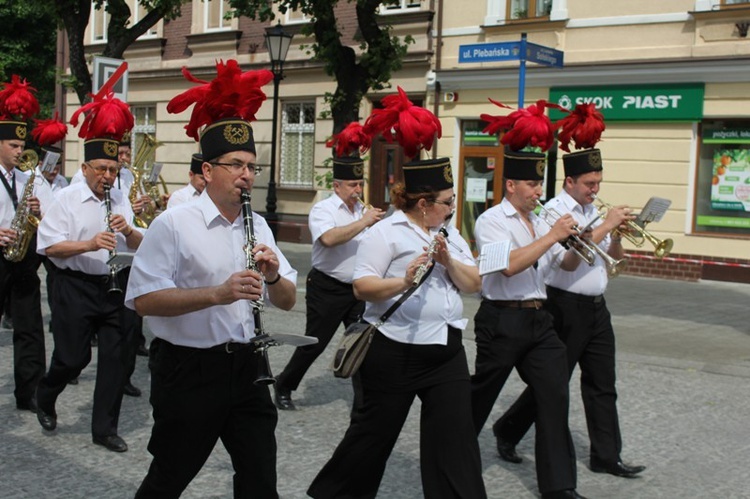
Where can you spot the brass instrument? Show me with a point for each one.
(579, 245)
(114, 287)
(140, 183)
(24, 223)
(431, 250)
(637, 235)
(262, 340)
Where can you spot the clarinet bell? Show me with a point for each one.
(264, 375)
(114, 287)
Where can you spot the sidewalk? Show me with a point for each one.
(684, 400)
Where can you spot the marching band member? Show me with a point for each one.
(196, 184)
(511, 327)
(576, 301)
(78, 235)
(191, 280)
(19, 282)
(417, 352)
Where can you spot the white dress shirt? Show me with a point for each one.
(422, 319)
(585, 280)
(58, 183)
(183, 195)
(78, 215)
(335, 261)
(502, 222)
(194, 246)
(41, 191)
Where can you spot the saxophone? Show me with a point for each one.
(24, 222)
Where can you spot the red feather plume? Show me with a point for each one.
(48, 132)
(584, 126)
(415, 127)
(524, 127)
(352, 138)
(17, 99)
(231, 94)
(105, 116)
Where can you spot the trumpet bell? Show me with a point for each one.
(663, 248)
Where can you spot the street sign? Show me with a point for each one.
(489, 52)
(104, 68)
(544, 55)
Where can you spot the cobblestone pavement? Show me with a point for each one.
(684, 401)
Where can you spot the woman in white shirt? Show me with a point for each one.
(417, 352)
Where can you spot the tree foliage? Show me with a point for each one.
(74, 16)
(356, 70)
(27, 47)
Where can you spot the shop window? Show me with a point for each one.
(722, 197)
(528, 9)
(297, 144)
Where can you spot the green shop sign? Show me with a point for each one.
(726, 136)
(678, 102)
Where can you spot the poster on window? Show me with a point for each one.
(730, 184)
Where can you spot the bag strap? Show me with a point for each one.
(404, 296)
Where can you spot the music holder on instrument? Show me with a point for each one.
(121, 259)
(653, 211)
(49, 162)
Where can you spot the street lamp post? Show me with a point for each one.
(278, 42)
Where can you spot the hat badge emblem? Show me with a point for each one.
(236, 134)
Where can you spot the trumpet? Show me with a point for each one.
(113, 269)
(637, 235)
(580, 246)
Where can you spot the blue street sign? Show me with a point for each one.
(543, 55)
(489, 52)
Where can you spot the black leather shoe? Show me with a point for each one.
(563, 494)
(111, 442)
(48, 420)
(507, 450)
(283, 399)
(130, 390)
(142, 351)
(27, 405)
(617, 469)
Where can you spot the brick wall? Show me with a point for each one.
(175, 33)
(688, 267)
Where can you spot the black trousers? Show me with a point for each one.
(584, 324)
(19, 285)
(83, 306)
(198, 397)
(329, 303)
(392, 375)
(524, 339)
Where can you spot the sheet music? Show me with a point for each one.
(155, 171)
(49, 162)
(494, 257)
(653, 211)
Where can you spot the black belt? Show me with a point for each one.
(95, 278)
(574, 296)
(230, 347)
(331, 279)
(537, 304)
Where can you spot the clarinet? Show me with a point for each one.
(113, 269)
(261, 340)
(431, 250)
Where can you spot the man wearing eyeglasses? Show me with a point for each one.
(337, 225)
(190, 278)
(78, 237)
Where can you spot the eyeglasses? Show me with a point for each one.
(446, 202)
(101, 169)
(238, 168)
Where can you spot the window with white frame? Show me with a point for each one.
(139, 12)
(144, 118)
(296, 17)
(527, 9)
(214, 15)
(297, 144)
(400, 6)
(99, 22)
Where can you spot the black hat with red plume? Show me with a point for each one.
(348, 144)
(46, 133)
(584, 126)
(17, 105)
(224, 107)
(106, 120)
(525, 127)
(415, 128)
